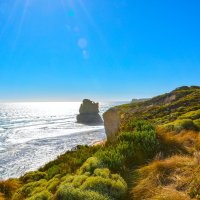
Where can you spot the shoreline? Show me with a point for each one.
(73, 148)
(100, 142)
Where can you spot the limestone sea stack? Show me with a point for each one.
(89, 113)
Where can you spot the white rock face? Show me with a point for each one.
(112, 123)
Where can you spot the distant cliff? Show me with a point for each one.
(139, 100)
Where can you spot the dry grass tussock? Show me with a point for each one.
(183, 142)
(8, 188)
(189, 139)
(1, 196)
(175, 174)
(171, 178)
(169, 193)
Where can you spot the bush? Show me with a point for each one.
(33, 176)
(183, 124)
(79, 180)
(111, 158)
(141, 140)
(197, 123)
(30, 189)
(105, 173)
(106, 184)
(191, 115)
(67, 192)
(102, 182)
(130, 148)
(90, 165)
(136, 125)
(53, 184)
(75, 180)
(44, 195)
(70, 161)
(18, 195)
(34, 187)
(52, 171)
(186, 124)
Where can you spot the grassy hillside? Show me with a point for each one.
(155, 156)
(176, 110)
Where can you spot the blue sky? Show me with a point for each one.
(99, 49)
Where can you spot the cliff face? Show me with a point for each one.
(174, 109)
(112, 121)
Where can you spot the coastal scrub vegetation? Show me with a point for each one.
(156, 155)
(181, 103)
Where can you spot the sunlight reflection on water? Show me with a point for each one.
(31, 134)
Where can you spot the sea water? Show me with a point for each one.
(32, 134)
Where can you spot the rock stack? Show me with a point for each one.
(89, 113)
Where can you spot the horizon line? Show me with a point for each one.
(62, 101)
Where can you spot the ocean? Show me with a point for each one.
(32, 134)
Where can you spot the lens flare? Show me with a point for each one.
(23, 16)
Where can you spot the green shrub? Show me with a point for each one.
(53, 184)
(34, 187)
(67, 192)
(186, 124)
(18, 195)
(30, 189)
(101, 182)
(52, 171)
(75, 180)
(90, 165)
(142, 145)
(147, 141)
(111, 158)
(106, 184)
(130, 148)
(33, 176)
(44, 195)
(37, 190)
(133, 124)
(191, 115)
(70, 161)
(104, 172)
(197, 123)
(79, 180)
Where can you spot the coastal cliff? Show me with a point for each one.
(170, 110)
